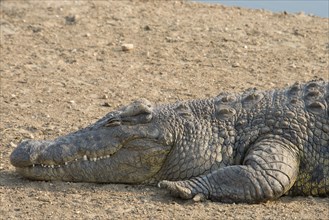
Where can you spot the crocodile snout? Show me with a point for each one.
(22, 155)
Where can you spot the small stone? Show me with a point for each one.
(36, 29)
(293, 66)
(235, 65)
(70, 19)
(12, 144)
(87, 35)
(147, 28)
(104, 96)
(127, 47)
(106, 104)
(28, 135)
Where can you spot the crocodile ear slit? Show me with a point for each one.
(112, 122)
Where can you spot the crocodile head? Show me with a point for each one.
(129, 145)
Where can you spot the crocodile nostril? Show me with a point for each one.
(20, 157)
(23, 153)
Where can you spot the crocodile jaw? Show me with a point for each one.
(91, 156)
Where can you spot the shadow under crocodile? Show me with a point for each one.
(11, 180)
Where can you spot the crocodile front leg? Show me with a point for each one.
(269, 170)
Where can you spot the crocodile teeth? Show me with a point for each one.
(85, 158)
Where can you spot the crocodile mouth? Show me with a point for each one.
(82, 169)
(62, 160)
(57, 153)
(76, 160)
(132, 161)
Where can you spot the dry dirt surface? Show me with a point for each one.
(63, 67)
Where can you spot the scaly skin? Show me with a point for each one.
(249, 147)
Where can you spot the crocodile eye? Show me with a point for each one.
(137, 119)
(112, 122)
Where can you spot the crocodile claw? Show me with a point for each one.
(176, 189)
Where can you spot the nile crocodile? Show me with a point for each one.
(249, 147)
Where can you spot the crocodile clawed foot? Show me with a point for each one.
(182, 190)
(176, 189)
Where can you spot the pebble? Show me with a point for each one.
(104, 96)
(293, 66)
(235, 65)
(71, 19)
(127, 47)
(147, 28)
(36, 29)
(12, 144)
(106, 104)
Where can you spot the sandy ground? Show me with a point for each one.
(62, 67)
